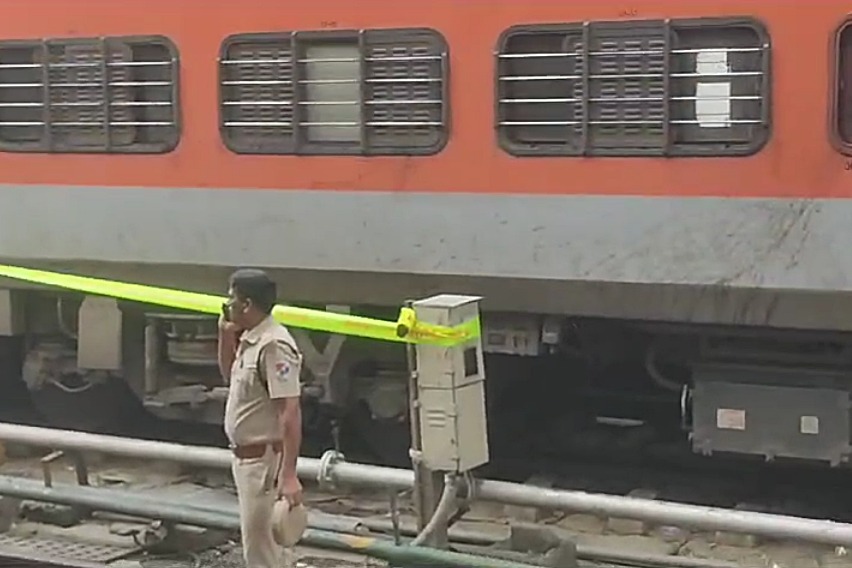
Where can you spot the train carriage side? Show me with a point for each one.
(652, 200)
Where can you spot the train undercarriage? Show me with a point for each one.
(556, 386)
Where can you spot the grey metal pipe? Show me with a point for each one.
(677, 514)
(779, 527)
(115, 501)
(217, 458)
(115, 445)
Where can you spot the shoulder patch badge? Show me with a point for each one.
(282, 370)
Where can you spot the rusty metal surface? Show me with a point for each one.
(61, 550)
(25, 558)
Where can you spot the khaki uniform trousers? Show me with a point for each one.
(255, 479)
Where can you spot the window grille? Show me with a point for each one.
(116, 94)
(371, 92)
(677, 87)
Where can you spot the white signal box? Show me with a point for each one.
(451, 389)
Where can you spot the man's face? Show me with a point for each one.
(237, 308)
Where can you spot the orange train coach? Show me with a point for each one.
(652, 196)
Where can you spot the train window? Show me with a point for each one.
(114, 94)
(370, 92)
(676, 87)
(843, 90)
(333, 88)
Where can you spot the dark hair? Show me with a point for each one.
(255, 285)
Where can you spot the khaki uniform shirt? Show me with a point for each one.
(267, 366)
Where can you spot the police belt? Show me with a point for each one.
(254, 451)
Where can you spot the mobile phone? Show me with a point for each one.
(226, 313)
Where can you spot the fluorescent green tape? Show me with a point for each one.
(417, 332)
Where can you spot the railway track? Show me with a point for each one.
(81, 555)
(663, 470)
(803, 491)
(483, 526)
(67, 553)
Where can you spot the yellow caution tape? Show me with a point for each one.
(405, 329)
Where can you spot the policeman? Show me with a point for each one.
(261, 362)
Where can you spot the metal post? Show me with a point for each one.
(152, 356)
(427, 483)
(450, 401)
(420, 505)
(433, 487)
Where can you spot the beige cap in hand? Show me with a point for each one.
(288, 525)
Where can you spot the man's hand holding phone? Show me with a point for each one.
(226, 326)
